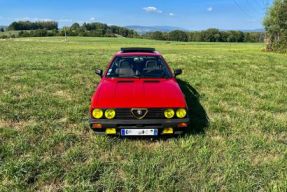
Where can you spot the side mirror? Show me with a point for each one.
(99, 72)
(177, 72)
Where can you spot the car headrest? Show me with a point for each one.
(124, 64)
(151, 64)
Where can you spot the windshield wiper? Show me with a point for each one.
(132, 76)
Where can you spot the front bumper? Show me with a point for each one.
(159, 124)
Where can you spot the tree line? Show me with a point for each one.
(28, 25)
(209, 35)
(50, 28)
(96, 29)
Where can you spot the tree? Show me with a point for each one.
(75, 26)
(178, 35)
(275, 23)
(157, 35)
(211, 35)
(195, 36)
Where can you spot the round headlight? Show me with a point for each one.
(169, 113)
(110, 113)
(97, 113)
(181, 113)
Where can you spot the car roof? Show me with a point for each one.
(137, 54)
(137, 51)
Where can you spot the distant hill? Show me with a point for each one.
(254, 30)
(245, 30)
(3, 27)
(145, 29)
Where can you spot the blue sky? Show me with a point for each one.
(188, 14)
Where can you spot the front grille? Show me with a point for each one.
(153, 113)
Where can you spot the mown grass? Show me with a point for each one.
(46, 145)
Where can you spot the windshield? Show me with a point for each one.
(139, 66)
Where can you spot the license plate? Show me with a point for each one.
(139, 132)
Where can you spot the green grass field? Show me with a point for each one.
(46, 144)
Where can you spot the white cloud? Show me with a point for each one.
(152, 9)
(210, 9)
(171, 14)
(92, 19)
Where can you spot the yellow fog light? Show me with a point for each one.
(110, 113)
(111, 131)
(181, 113)
(167, 131)
(97, 113)
(169, 113)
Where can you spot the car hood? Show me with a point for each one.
(132, 93)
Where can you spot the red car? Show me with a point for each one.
(138, 95)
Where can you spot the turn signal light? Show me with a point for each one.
(97, 126)
(182, 125)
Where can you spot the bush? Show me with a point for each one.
(4, 37)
